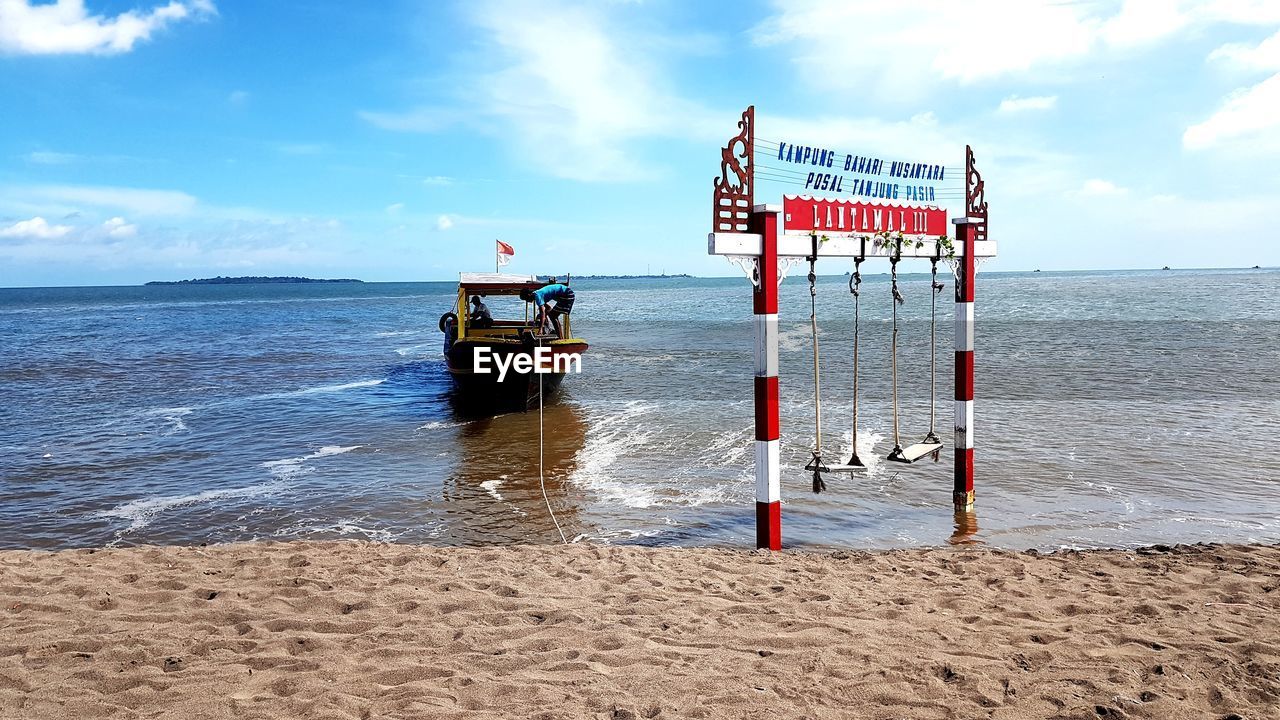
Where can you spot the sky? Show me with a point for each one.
(395, 141)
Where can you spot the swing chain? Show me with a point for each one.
(816, 463)
(893, 272)
(932, 437)
(855, 287)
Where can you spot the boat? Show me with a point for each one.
(476, 351)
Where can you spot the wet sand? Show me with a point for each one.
(363, 630)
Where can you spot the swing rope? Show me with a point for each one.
(932, 437)
(816, 464)
(855, 287)
(897, 300)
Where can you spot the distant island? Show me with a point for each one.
(249, 280)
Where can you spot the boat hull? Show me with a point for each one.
(483, 391)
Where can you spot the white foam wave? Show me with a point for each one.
(396, 333)
(867, 442)
(491, 487)
(319, 390)
(609, 439)
(730, 448)
(652, 359)
(795, 338)
(709, 494)
(289, 468)
(340, 388)
(140, 513)
(174, 417)
(606, 536)
(341, 528)
(624, 434)
(441, 424)
(414, 349)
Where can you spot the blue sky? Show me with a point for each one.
(397, 140)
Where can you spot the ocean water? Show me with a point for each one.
(1113, 409)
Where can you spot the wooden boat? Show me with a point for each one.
(472, 346)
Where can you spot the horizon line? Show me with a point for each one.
(172, 283)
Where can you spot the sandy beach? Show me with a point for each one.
(364, 630)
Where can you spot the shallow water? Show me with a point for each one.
(1113, 409)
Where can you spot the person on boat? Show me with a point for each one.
(480, 315)
(550, 301)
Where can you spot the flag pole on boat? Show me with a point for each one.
(502, 254)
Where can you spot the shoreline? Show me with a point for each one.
(355, 629)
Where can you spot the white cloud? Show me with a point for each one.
(423, 119)
(117, 227)
(1101, 188)
(302, 148)
(437, 180)
(927, 40)
(1013, 103)
(66, 26)
(1249, 114)
(570, 87)
(49, 157)
(239, 98)
(1264, 57)
(274, 248)
(920, 138)
(1140, 22)
(1245, 114)
(444, 222)
(940, 40)
(36, 228)
(66, 198)
(394, 208)
(45, 157)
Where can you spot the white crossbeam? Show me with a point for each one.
(801, 245)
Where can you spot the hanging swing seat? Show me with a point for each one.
(912, 453)
(842, 468)
(816, 465)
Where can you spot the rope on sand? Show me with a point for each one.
(541, 479)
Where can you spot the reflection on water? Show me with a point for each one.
(494, 494)
(966, 529)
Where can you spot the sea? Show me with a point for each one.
(1113, 409)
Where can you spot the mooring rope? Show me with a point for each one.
(542, 481)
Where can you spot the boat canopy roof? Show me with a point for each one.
(499, 281)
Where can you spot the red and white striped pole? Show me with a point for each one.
(764, 221)
(966, 232)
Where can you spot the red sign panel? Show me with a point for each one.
(824, 215)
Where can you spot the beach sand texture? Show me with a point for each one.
(365, 630)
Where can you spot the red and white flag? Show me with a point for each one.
(505, 252)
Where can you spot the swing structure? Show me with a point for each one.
(767, 240)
